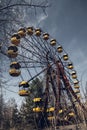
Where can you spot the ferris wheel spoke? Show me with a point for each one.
(29, 59)
(42, 44)
(37, 55)
(37, 75)
(34, 46)
(39, 45)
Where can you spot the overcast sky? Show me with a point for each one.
(66, 21)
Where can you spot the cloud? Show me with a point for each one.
(41, 18)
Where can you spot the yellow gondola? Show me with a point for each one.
(76, 82)
(14, 72)
(66, 118)
(22, 32)
(45, 36)
(37, 109)
(23, 92)
(38, 32)
(36, 99)
(74, 100)
(24, 84)
(12, 51)
(24, 88)
(78, 95)
(71, 114)
(76, 86)
(77, 91)
(15, 65)
(51, 109)
(65, 57)
(51, 118)
(73, 73)
(53, 42)
(70, 65)
(30, 31)
(50, 112)
(60, 111)
(60, 49)
(15, 39)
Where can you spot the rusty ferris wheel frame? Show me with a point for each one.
(40, 54)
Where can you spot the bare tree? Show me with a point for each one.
(17, 13)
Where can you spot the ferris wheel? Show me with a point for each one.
(34, 52)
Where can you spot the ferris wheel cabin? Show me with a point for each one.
(15, 39)
(12, 51)
(24, 88)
